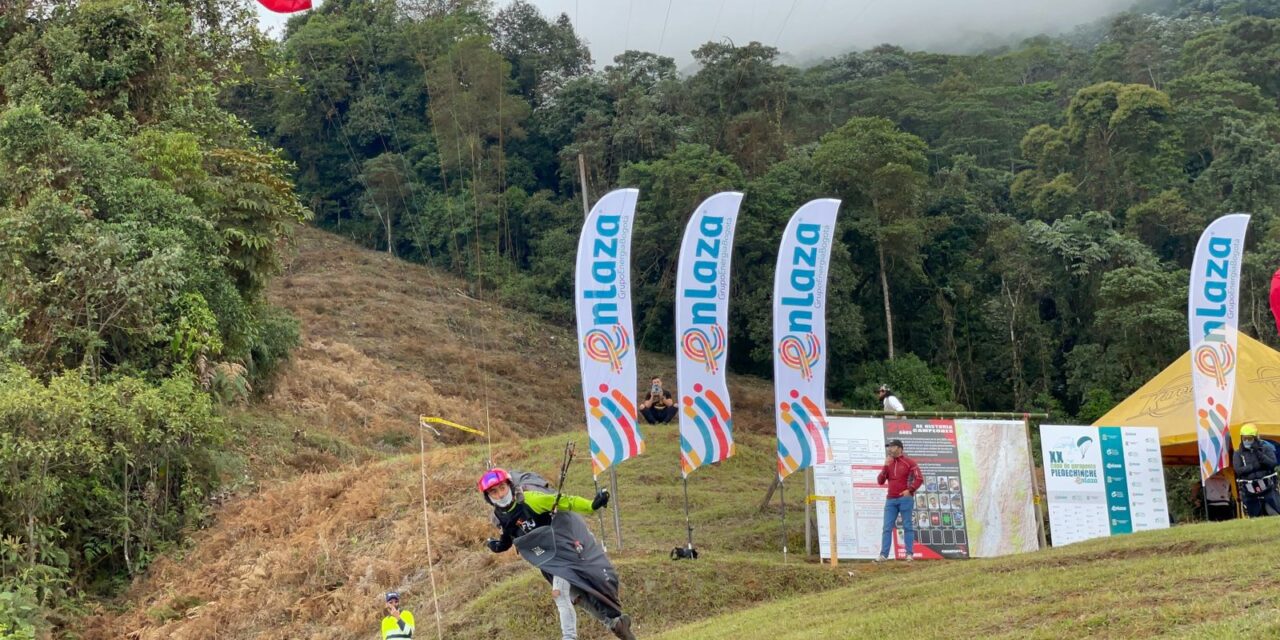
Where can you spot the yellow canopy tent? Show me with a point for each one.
(1166, 402)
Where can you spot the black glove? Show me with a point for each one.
(495, 545)
(602, 499)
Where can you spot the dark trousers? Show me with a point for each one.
(654, 415)
(1256, 506)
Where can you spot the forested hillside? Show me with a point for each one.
(1016, 225)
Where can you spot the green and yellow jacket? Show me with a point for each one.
(402, 628)
(530, 510)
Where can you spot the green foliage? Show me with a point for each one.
(138, 222)
(19, 611)
(918, 386)
(98, 477)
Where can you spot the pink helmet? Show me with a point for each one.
(492, 478)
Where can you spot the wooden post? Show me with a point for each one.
(1035, 495)
(769, 495)
(831, 513)
(582, 181)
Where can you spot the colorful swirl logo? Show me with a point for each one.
(1214, 420)
(800, 353)
(707, 349)
(1216, 362)
(608, 346)
(808, 434)
(711, 438)
(619, 436)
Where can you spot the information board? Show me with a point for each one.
(1102, 481)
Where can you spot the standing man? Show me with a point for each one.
(1255, 465)
(657, 407)
(550, 535)
(904, 478)
(397, 624)
(891, 402)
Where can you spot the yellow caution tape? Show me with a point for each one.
(424, 420)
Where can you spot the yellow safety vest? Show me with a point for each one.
(391, 628)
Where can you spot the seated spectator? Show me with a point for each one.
(1214, 498)
(657, 407)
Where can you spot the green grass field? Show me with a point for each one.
(1197, 581)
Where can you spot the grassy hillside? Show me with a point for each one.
(328, 514)
(310, 557)
(1197, 581)
(385, 341)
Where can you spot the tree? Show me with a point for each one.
(1118, 147)
(739, 97)
(1247, 49)
(543, 54)
(880, 173)
(140, 223)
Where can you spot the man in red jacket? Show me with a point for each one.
(904, 478)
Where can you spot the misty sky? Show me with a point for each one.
(806, 29)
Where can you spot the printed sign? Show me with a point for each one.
(1102, 481)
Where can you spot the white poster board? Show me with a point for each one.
(857, 447)
(1102, 481)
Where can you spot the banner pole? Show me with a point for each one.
(688, 522)
(617, 518)
(782, 499)
(600, 518)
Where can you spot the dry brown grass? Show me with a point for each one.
(384, 341)
(310, 558)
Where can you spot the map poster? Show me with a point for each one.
(939, 510)
(857, 448)
(995, 469)
(1102, 481)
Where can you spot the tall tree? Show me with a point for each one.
(881, 173)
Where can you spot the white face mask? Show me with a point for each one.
(504, 501)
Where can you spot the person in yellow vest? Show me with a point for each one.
(399, 624)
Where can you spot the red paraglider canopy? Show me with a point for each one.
(1275, 298)
(286, 6)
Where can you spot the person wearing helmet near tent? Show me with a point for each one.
(891, 402)
(397, 624)
(1255, 467)
(576, 567)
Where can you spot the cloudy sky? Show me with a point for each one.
(810, 28)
